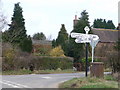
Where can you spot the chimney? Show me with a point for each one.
(75, 17)
(75, 21)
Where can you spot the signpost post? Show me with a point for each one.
(86, 30)
(93, 44)
(86, 38)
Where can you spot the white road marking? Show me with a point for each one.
(13, 84)
(46, 77)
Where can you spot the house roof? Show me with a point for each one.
(106, 35)
(43, 42)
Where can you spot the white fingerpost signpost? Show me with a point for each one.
(86, 38)
(93, 43)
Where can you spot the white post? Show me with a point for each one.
(92, 54)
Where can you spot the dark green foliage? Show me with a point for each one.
(101, 23)
(110, 25)
(62, 36)
(62, 39)
(17, 30)
(26, 44)
(83, 61)
(16, 34)
(89, 60)
(44, 63)
(39, 36)
(54, 43)
(76, 50)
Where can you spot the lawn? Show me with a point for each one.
(91, 82)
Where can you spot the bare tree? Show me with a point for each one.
(2, 25)
(49, 38)
(3, 21)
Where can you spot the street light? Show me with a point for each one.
(86, 30)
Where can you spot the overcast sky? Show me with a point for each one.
(47, 15)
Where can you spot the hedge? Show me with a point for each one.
(41, 63)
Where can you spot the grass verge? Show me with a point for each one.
(21, 72)
(91, 82)
(17, 72)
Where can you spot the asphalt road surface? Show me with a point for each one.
(37, 80)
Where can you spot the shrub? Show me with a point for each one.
(13, 57)
(89, 60)
(57, 52)
(83, 61)
(8, 54)
(114, 61)
(44, 51)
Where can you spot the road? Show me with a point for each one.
(37, 80)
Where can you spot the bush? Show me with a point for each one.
(57, 52)
(8, 54)
(114, 61)
(89, 60)
(83, 61)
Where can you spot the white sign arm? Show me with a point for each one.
(76, 35)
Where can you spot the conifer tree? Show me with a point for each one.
(54, 43)
(110, 25)
(16, 34)
(62, 37)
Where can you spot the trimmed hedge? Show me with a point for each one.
(40, 63)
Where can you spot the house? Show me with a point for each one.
(108, 39)
(37, 44)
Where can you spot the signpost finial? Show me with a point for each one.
(87, 29)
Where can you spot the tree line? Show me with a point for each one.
(102, 23)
